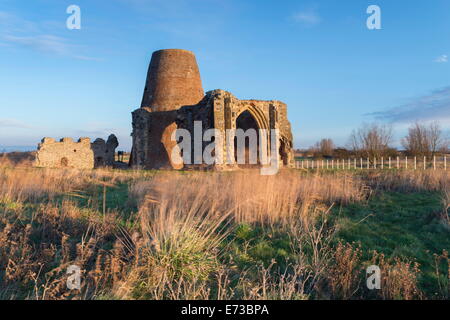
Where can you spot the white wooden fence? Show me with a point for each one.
(411, 163)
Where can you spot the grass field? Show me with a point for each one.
(209, 235)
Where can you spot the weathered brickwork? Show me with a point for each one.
(81, 154)
(173, 99)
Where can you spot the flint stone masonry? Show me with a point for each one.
(173, 99)
(81, 154)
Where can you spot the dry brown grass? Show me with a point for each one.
(175, 245)
(250, 197)
(17, 159)
(409, 180)
(344, 276)
(398, 278)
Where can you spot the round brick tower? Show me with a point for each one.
(173, 80)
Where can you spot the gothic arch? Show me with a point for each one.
(258, 115)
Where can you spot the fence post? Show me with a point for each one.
(415, 163)
(445, 162)
(374, 163)
(361, 160)
(368, 163)
(382, 163)
(424, 163)
(434, 163)
(398, 162)
(389, 162)
(327, 163)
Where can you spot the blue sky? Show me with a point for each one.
(317, 56)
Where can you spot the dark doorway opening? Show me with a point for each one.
(246, 122)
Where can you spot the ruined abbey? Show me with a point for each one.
(174, 99)
(173, 102)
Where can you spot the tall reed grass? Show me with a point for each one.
(175, 241)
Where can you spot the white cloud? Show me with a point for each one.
(13, 123)
(434, 106)
(43, 43)
(16, 31)
(442, 59)
(10, 23)
(307, 18)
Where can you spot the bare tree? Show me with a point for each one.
(425, 140)
(324, 147)
(371, 140)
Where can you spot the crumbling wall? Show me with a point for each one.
(219, 109)
(270, 114)
(65, 153)
(82, 154)
(152, 144)
(104, 152)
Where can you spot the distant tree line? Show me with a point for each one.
(375, 141)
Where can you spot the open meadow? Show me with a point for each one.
(223, 235)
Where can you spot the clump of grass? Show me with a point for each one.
(399, 279)
(179, 248)
(344, 276)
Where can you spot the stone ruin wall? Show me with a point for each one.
(151, 134)
(81, 154)
(104, 152)
(65, 153)
(218, 109)
(271, 114)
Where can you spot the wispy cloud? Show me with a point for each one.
(16, 31)
(442, 59)
(43, 43)
(434, 106)
(11, 23)
(13, 123)
(307, 18)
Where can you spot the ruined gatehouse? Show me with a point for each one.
(174, 99)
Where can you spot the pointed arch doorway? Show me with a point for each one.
(250, 147)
